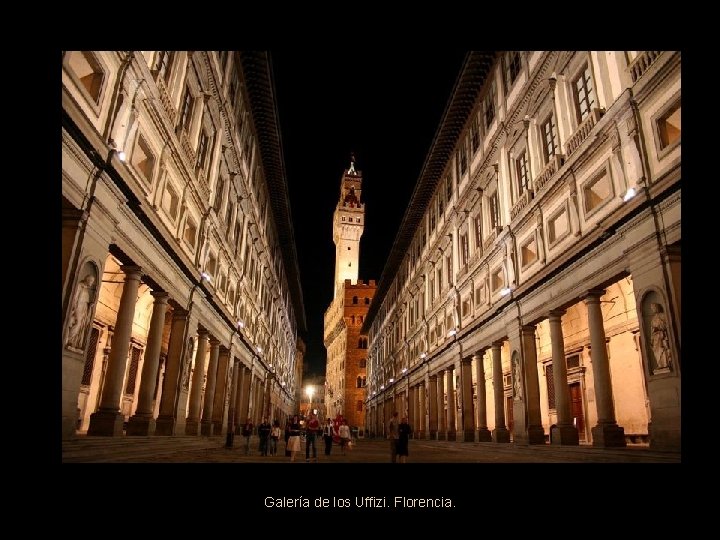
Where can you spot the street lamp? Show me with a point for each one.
(310, 390)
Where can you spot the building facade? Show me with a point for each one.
(345, 372)
(181, 301)
(533, 290)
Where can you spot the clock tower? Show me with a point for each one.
(348, 225)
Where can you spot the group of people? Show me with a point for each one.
(337, 431)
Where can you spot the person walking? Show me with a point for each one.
(312, 427)
(404, 432)
(344, 436)
(263, 434)
(247, 432)
(293, 444)
(393, 436)
(328, 433)
(274, 437)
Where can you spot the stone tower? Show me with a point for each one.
(348, 225)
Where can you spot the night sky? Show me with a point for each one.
(384, 106)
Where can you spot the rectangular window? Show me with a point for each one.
(170, 201)
(474, 136)
(549, 136)
(143, 159)
(202, 150)
(478, 229)
(432, 218)
(597, 191)
(521, 172)
(448, 263)
(462, 159)
(448, 188)
(219, 194)
(494, 210)
(584, 94)
(163, 63)
(190, 233)
(512, 67)
(186, 110)
(669, 126)
(558, 226)
(528, 253)
(441, 203)
(489, 105)
(87, 71)
(464, 255)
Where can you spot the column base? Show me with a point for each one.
(433, 435)
(192, 427)
(217, 428)
(140, 425)
(165, 425)
(484, 435)
(207, 429)
(106, 424)
(536, 435)
(421, 434)
(468, 435)
(441, 436)
(565, 435)
(452, 435)
(608, 435)
(501, 435)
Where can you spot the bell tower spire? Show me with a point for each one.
(348, 225)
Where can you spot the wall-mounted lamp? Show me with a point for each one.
(423, 356)
(505, 291)
(205, 276)
(258, 349)
(404, 369)
(452, 332)
(241, 324)
(391, 380)
(629, 194)
(120, 153)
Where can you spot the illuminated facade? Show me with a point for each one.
(533, 291)
(345, 372)
(181, 299)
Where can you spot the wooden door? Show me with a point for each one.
(577, 409)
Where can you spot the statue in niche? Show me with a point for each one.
(659, 338)
(186, 365)
(80, 313)
(517, 385)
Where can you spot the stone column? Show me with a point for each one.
(606, 433)
(416, 411)
(433, 425)
(442, 415)
(500, 434)
(232, 402)
(240, 412)
(108, 421)
(192, 422)
(535, 431)
(165, 423)
(565, 432)
(142, 422)
(467, 400)
(221, 391)
(451, 428)
(484, 434)
(206, 427)
(422, 420)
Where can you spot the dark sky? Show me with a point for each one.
(384, 106)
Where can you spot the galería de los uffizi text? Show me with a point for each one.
(358, 502)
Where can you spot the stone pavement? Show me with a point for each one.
(189, 449)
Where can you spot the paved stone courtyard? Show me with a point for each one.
(85, 449)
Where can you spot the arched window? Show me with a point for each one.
(355, 299)
(360, 343)
(367, 300)
(363, 362)
(359, 382)
(352, 319)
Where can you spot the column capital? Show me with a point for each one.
(556, 314)
(203, 332)
(161, 297)
(131, 271)
(180, 313)
(214, 342)
(528, 329)
(497, 344)
(593, 296)
(451, 367)
(433, 376)
(468, 360)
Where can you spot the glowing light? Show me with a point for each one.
(259, 348)
(629, 194)
(121, 155)
(505, 291)
(404, 369)
(423, 356)
(392, 380)
(205, 276)
(241, 324)
(452, 332)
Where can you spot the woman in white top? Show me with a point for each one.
(344, 433)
